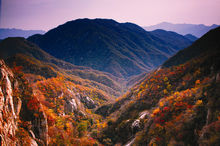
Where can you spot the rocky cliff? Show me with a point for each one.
(9, 109)
(19, 125)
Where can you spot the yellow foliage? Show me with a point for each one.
(146, 86)
(168, 86)
(178, 98)
(198, 102)
(165, 91)
(139, 94)
(156, 111)
(197, 82)
(161, 103)
(176, 93)
(165, 79)
(170, 98)
(88, 111)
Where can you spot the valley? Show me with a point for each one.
(101, 82)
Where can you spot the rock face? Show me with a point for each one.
(40, 128)
(76, 101)
(8, 114)
(12, 111)
(87, 101)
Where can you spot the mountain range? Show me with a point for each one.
(184, 29)
(6, 32)
(172, 102)
(122, 49)
(20, 52)
(100, 82)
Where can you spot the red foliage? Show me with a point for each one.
(33, 104)
(166, 108)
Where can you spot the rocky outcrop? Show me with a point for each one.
(136, 125)
(87, 101)
(14, 111)
(40, 127)
(8, 115)
(76, 102)
(70, 106)
(72, 103)
(36, 119)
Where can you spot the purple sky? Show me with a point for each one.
(47, 14)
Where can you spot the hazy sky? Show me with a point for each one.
(46, 14)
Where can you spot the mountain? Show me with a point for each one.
(4, 33)
(174, 39)
(50, 111)
(176, 104)
(122, 49)
(184, 29)
(14, 131)
(20, 52)
(47, 101)
(190, 37)
(44, 100)
(207, 43)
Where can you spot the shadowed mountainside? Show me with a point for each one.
(122, 49)
(20, 52)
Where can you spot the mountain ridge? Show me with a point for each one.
(13, 32)
(20, 52)
(171, 103)
(123, 49)
(195, 29)
(198, 47)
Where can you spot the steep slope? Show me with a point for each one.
(175, 40)
(50, 111)
(19, 124)
(53, 100)
(178, 105)
(196, 30)
(207, 43)
(5, 94)
(20, 52)
(123, 49)
(4, 33)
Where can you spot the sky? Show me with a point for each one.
(47, 14)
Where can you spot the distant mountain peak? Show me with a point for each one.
(183, 28)
(207, 44)
(13, 32)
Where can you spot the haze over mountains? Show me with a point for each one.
(184, 29)
(4, 33)
(122, 49)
